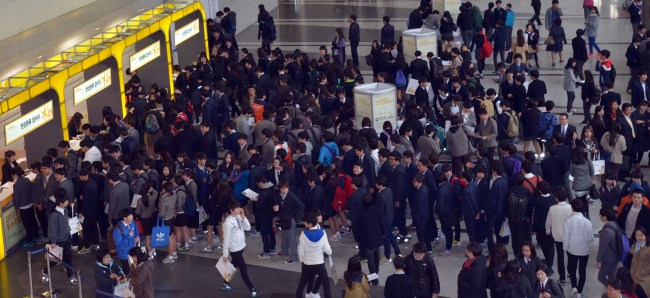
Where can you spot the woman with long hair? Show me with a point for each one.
(570, 84)
(146, 211)
(520, 46)
(74, 125)
(497, 264)
(589, 142)
(10, 163)
(338, 45)
(218, 202)
(589, 92)
(529, 261)
(559, 40)
(512, 283)
(356, 283)
(532, 38)
(447, 26)
(226, 167)
(640, 255)
(375, 50)
(598, 124)
(591, 30)
(613, 142)
(582, 171)
(629, 287)
(613, 114)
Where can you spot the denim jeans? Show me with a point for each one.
(593, 45)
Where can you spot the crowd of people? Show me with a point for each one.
(282, 125)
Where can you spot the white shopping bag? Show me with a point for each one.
(335, 275)
(75, 225)
(505, 229)
(227, 270)
(123, 290)
(599, 167)
(203, 216)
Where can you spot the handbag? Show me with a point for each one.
(369, 60)
(599, 165)
(509, 58)
(123, 290)
(549, 40)
(160, 234)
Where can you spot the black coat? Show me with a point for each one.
(529, 270)
(568, 137)
(579, 47)
(371, 228)
(387, 33)
(291, 208)
(424, 275)
(186, 140)
(642, 220)
(421, 97)
(553, 169)
(397, 183)
(315, 200)
(472, 280)
(536, 91)
(419, 68)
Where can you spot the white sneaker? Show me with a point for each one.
(168, 260)
(579, 295)
(315, 295)
(207, 249)
(309, 295)
(575, 291)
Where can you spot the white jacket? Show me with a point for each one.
(234, 238)
(557, 214)
(312, 245)
(578, 234)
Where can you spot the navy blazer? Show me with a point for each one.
(637, 92)
(397, 183)
(349, 158)
(497, 196)
(469, 205)
(421, 205)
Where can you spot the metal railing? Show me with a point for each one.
(52, 292)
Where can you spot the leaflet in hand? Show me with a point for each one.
(250, 194)
(134, 201)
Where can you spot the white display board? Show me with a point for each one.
(423, 39)
(28, 122)
(145, 56)
(184, 33)
(377, 101)
(92, 86)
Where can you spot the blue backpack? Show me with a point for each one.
(622, 243)
(517, 165)
(400, 79)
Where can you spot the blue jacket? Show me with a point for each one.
(325, 158)
(123, 241)
(510, 18)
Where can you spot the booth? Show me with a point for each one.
(423, 39)
(377, 101)
(37, 103)
(187, 39)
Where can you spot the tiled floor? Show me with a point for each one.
(306, 25)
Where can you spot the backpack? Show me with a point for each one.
(437, 68)
(342, 193)
(120, 122)
(190, 206)
(513, 125)
(517, 213)
(440, 134)
(400, 79)
(151, 124)
(486, 49)
(517, 165)
(622, 243)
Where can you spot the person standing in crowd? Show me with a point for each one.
(419, 265)
(640, 250)
(537, 8)
(634, 214)
(107, 273)
(577, 236)
(167, 213)
(354, 33)
(311, 252)
(90, 200)
(607, 258)
(290, 209)
(512, 283)
(356, 282)
(591, 29)
(23, 201)
(141, 273)
(472, 276)
(126, 236)
(370, 234)
(545, 286)
(59, 235)
(555, 219)
(553, 13)
(387, 32)
(399, 285)
(234, 242)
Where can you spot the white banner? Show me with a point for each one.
(184, 33)
(28, 122)
(92, 86)
(384, 109)
(145, 56)
(362, 107)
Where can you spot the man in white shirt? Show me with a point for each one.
(557, 214)
(91, 153)
(577, 236)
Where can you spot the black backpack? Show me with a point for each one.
(518, 208)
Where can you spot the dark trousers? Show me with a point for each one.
(494, 57)
(355, 55)
(508, 37)
(559, 249)
(423, 233)
(481, 64)
(42, 219)
(536, 16)
(520, 232)
(571, 96)
(237, 259)
(91, 237)
(586, 106)
(66, 257)
(400, 218)
(585, 208)
(102, 220)
(493, 224)
(310, 272)
(457, 163)
(578, 69)
(577, 263)
(449, 221)
(268, 236)
(470, 225)
(389, 240)
(373, 260)
(546, 243)
(28, 218)
(480, 226)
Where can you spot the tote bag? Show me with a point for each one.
(160, 234)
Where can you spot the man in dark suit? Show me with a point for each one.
(628, 130)
(315, 197)
(415, 18)
(208, 141)
(275, 174)
(367, 163)
(185, 139)
(385, 204)
(384, 168)
(418, 67)
(263, 80)
(230, 138)
(608, 96)
(536, 88)
(432, 186)
(458, 88)
(507, 86)
(553, 168)
(633, 61)
(387, 31)
(421, 214)
(565, 129)
(397, 182)
(349, 156)
(640, 89)
(421, 94)
(354, 36)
